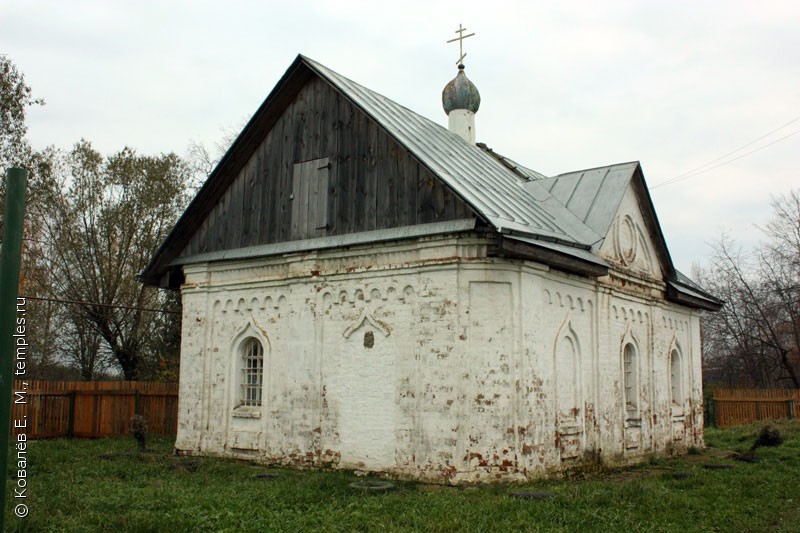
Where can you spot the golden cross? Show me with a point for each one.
(460, 31)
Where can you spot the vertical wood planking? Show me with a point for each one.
(300, 130)
(329, 147)
(191, 247)
(258, 209)
(372, 181)
(283, 208)
(326, 102)
(385, 173)
(219, 222)
(310, 200)
(361, 149)
(314, 193)
(393, 182)
(313, 120)
(438, 199)
(295, 199)
(425, 196)
(254, 212)
(370, 178)
(101, 408)
(411, 184)
(272, 175)
(403, 200)
(248, 187)
(743, 406)
(306, 174)
(210, 236)
(201, 243)
(347, 140)
(318, 204)
(233, 220)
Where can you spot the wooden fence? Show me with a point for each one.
(92, 409)
(733, 407)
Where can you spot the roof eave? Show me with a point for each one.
(676, 293)
(558, 259)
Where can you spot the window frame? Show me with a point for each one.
(251, 374)
(630, 379)
(676, 381)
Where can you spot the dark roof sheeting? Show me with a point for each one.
(686, 285)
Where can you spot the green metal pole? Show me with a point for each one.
(10, 253)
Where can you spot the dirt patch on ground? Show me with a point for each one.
(678, 471)
(625, 476)
(707, 455)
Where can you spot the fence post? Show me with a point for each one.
(712, 412)
(13, 343)
(71, 428)
(136, 402)
(790, 409)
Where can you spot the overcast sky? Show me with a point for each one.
(564, 85)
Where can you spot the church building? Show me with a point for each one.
(365, 289)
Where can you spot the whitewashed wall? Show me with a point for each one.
(429, 360)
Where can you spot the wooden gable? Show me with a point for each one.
(324, 168)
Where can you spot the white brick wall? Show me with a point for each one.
(432, 361)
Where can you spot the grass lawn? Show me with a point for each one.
(104, 485)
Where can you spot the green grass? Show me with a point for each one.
(72, 489)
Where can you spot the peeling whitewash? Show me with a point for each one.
(432, 361)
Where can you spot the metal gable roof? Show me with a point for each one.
(593, 195)
(486, 184)
(558, 217)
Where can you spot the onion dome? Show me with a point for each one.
(460, 93)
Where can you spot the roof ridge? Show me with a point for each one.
(525, 173)
(633, 162)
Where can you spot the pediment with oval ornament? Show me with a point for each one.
(628, 244)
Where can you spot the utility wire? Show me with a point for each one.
(706, 167)
(114, 306)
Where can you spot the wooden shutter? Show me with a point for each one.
(310, 199)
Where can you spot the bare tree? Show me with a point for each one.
(91, 225)
(15, 98)
(84, 346)
(755, 338)
(107, 217)
(202, 160)
(780, 270)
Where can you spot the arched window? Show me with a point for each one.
(630, 373)
(566, 376)
(676, 378)
(252, 372)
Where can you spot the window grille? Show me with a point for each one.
(252, 372)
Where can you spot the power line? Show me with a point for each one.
(737, 150)
(687, 176)
(114, 306)
(705, 167)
